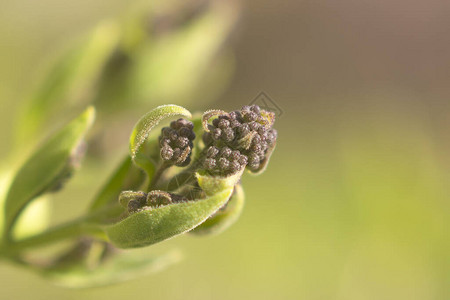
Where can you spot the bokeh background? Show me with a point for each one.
(355, 202)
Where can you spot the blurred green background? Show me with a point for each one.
(355, 202)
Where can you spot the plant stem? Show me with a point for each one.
(76, 228)
(66, 231)
(158, 174)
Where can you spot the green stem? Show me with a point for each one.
(66, 231)
(158, 174)
(85, 226)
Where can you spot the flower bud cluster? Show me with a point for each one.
(176, 142)
(224, 160)
(239, 138)
(153, 199)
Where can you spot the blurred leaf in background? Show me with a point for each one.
(355, 204)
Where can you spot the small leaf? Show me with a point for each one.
(209, 114)
(224, 217)
(142, 130)
(152, 225)
(119, 268)
(47, 166)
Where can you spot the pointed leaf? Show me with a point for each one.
(45, 169)
(142, 130)
(209, 114)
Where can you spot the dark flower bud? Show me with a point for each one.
(253, 126)
(176, 142)
(235, 115)
(272, 136)
(255, 109)
(244, 130)
(223, 164)
(212, 151)
(184, 162)
(250, 116)
(184, 131)
(133, 206)
(165, 132)
(164, 142)
(209, 164)
(228, 135)
(256, 139)
(173, 136)
(243, 160)
(176, 153)
(235, 155)
(256, 148)
(174, 125)
(225, 152)
(166, 152)
(261, 155)
(223, 124)
(234, 167)
(216, 133)
(158, 198)
(191, 136)
(181, 142)
(243, 137)
(235, 124)
(253, 159)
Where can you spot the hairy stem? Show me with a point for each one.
(158, 174)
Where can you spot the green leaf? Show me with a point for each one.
(225, 217)
(142, 130)
(182, 58)
(68, 80)
(126, 177)
(119, 268)
(45, 169)
(209, 114)
(152, 225)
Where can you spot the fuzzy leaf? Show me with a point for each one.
(45, 169)
(225, 217)
(142, 130)
(153, 225)
(119, 268)
(209, 114)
